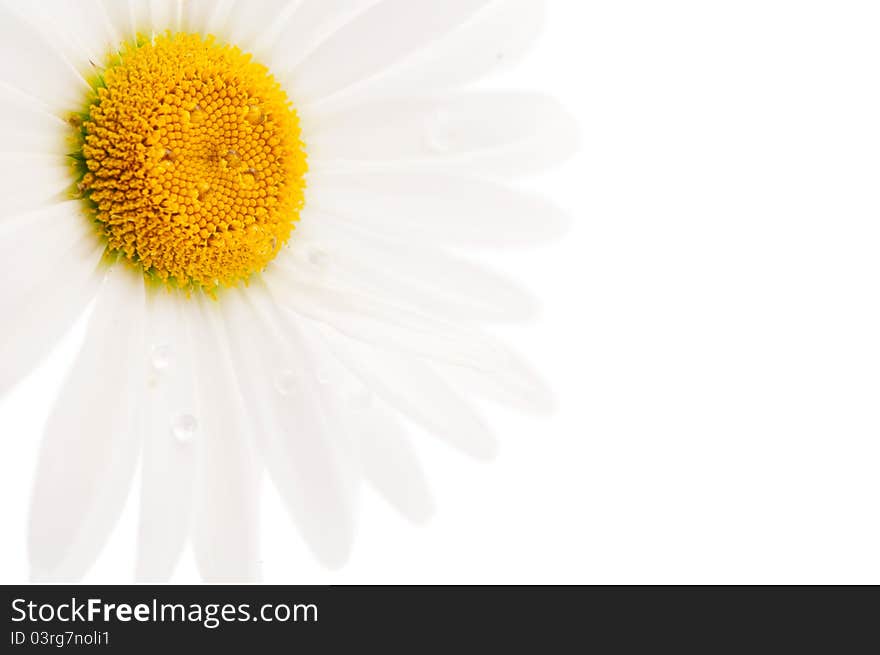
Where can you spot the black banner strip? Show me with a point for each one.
(151, 619)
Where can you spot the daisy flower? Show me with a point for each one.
(267, 210)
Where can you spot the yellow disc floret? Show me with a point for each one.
(192, 160)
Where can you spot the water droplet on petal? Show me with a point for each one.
(184, 427)
(161, 356)
(318, 258)
(285, 382)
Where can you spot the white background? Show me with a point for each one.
(711, 326)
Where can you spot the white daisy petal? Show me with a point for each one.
(310, 24)
(84, 474)
(420, 394)
(492, 133)
(119, 13)
(508, 379)
(81, 31)
(419, 278)
(22, 295)
(519, 388)
(165, 15)
(226, 535)
(381, 36)
(141, 12)
(132, 18)
(31, 181)
(168, 462)
(301, 441)
(372, 320)
(45, 305)
(155, 16)
(385, 458)
(57, 84)
(27, 127)
(48, 232)
(444, 209)
(206, 16)
(338, 390)
(493, 39)
(391, 465)
(269, 37)
(255, 25)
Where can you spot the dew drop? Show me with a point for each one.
(255, 116)
(285, 382)
(161, 356)
(184, 427)
(318, 257)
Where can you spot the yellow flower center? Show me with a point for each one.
(191, 160)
